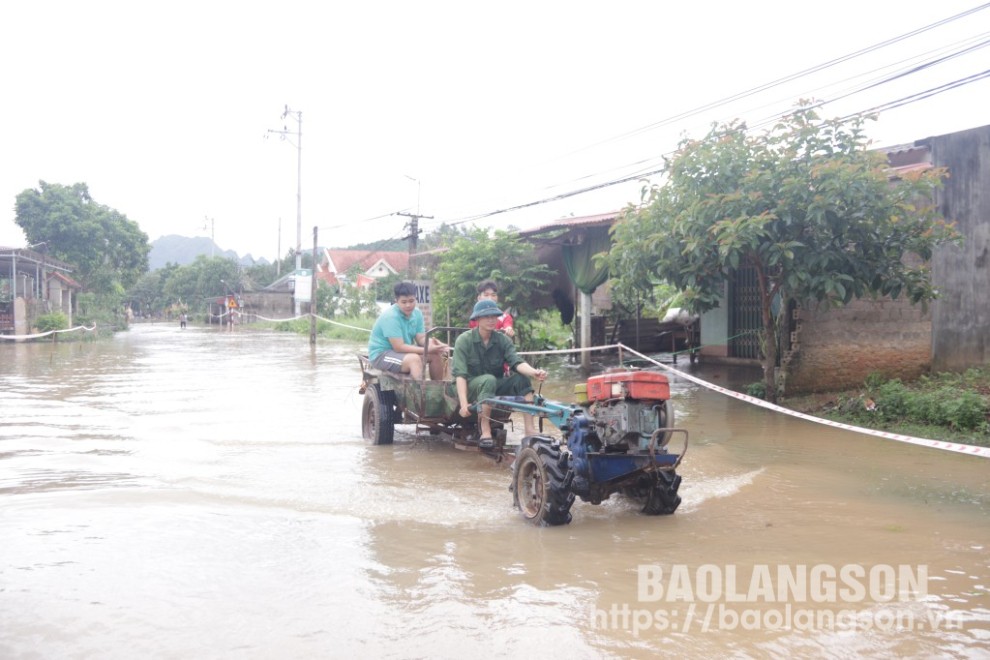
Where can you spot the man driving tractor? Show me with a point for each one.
(479, 356)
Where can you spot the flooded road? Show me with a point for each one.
(178, 494)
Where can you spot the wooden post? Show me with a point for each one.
(585, 331)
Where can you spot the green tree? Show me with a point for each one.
(110, 251)
(443, 236)
(479, 256)
(327, 298)
(259, 275)
(146, 296)
(207, 277)
(385, 286)
(806, 205)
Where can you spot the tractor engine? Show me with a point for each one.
(627, 407)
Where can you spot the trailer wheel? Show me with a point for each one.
(662, 497)
(378, 416)
(541, 483)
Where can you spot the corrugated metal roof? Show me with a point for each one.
(601, 219)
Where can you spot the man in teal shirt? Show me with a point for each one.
(398, 338)
(479, 359)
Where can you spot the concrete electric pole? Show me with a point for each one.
(414, 232)
(284, 134)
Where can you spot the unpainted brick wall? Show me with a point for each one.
(839, 348)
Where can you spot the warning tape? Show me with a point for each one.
(306, 316)
(969, 450)
(38, 335)
(343, 325)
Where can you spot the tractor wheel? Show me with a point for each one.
(541, 485)
(662, 497)
(378, 416)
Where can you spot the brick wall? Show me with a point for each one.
(839, 348)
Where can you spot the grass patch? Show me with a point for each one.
(350, 329)
(954, 407)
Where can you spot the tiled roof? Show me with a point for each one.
(343, 260)
(64, 279)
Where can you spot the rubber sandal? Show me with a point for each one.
(485, 443)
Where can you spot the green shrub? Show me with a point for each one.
(337, 329)
(893, 400)
(542, 332)
(958, 409)
(950, 406)
(757, 390)
(874, 380)
(51, 322)
(941, 401)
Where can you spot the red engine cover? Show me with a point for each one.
(642, 385)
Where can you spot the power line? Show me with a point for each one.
(890, 105)
(650, 166)
(813, 93)
(786, 79)
(887, 106)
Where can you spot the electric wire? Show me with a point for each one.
(775, 117)
(652, 166)
(788, 78)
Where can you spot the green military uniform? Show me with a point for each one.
(483, 366)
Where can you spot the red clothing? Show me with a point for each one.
(504, 321)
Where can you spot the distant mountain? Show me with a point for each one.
(183, 250)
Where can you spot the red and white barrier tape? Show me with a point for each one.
(969, 450)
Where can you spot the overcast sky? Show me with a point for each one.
(459, 109)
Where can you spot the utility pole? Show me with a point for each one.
(414, 232)
(284, 134)
(209, 222)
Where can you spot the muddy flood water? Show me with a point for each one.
(199, 494)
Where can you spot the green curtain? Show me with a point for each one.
(579, 263)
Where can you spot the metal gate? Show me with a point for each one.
(745, 318)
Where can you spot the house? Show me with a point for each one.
(581, 289)
(825, 348)
(32, 284)
(567, 246)
(284, 298)
(828, 349)
(60, 291)
(373, 265)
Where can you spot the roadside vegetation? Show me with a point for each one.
(51, 322)
(948, 406)
(806, 206)
(498, 255)
(108, 250)
(344, 328)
